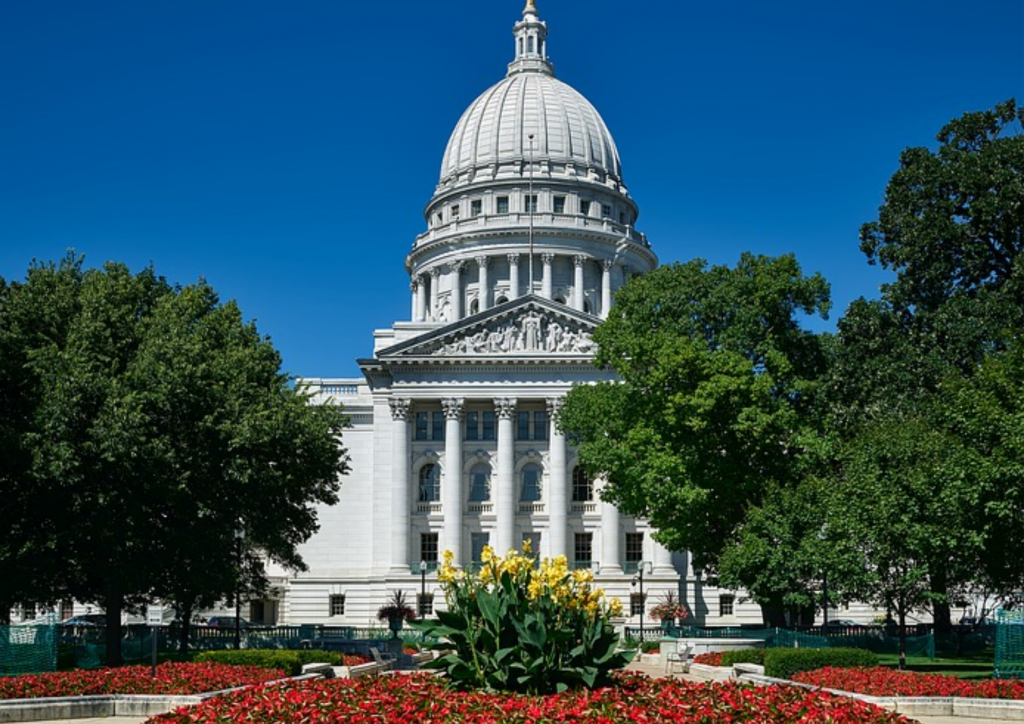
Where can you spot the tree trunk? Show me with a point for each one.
(941, 615)
(773, 613)
(901, 611)
(112, 605)
(186, 628)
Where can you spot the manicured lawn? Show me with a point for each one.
(969, 666)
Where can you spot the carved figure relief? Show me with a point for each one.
(528, 333)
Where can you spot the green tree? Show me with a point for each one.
(716, 389)
(159, 424)
(951, 229)
(986, 412)
(952, 218)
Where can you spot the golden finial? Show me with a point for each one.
(531, 7)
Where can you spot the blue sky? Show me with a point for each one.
(285, 151)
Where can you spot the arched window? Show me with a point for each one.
(560, 300)
(501, 300)
(480, 483)
(520, 46)
(582, 487)
(530, 492)
(529, 44)
(430, 484)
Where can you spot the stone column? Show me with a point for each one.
(662, 558)
(456, 282)
(485, 292)
(545, 281)
(557, 497)
(611, 536)
(577, 282)
(451, 486)
(504, 488)
(414, 287)
(606, 287)
(435, 275)
(513, 276)
(401, 485)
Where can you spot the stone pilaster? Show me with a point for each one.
(606, 287)
(513, 276)
(546, 281)
(557, 493)
(577, 283)
(401, 485)
(505, 487)
(483, 284)
(451, 487)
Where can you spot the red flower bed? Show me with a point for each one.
(880, 681)
(170, 679)
(424, 700)
(713, 658)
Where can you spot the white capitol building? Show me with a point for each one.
(453, 443)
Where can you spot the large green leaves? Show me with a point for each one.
(717, 386)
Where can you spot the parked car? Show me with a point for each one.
(842, 623)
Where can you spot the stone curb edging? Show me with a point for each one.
(1004, 709)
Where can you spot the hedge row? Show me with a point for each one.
(783, 663)
(744, 656)
(286, 660)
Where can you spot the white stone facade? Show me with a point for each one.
(453, 440)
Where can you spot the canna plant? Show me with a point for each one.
(517, 627)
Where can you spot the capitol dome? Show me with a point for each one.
(494, 132)
(530, 200)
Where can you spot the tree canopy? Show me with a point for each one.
(717, 382)
(149, 423)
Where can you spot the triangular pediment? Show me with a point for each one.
(525, 327)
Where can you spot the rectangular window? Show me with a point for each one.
(425, 604)
(634, 549)
(501, 205)
(622, 218)
(523, 426)
(67, 609)
(477, 541)
(488, 431)
(726, 603)
(559, 205)
(475, 207)
(582, 549)
(437, 425)
(540, 425)
(584, 207)
(472, 425)
(530, 203)
(428, 549)
(337, 606)
(421, 426)
(606, 211)
(636, 604)
(455, 211)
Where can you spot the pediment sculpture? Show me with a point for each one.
(528, 333)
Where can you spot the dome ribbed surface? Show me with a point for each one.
(495, 129)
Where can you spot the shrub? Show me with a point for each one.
(647, 647)
(514, 627)
(743, 656)
(290, 662)
(783, 663)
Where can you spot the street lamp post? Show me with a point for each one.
(423, 588)
(642, 566)
(238, 589)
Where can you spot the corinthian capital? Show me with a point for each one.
(399, 408)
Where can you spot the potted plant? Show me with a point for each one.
(396, 611)
(669, 610)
